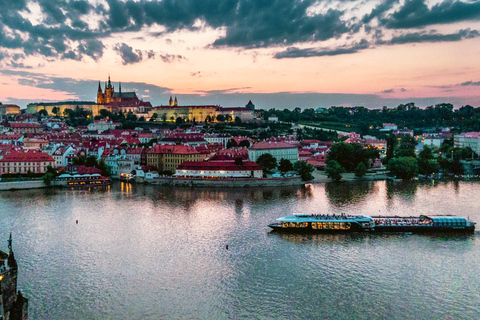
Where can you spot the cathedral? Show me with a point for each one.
(110, 95)
(120, 101)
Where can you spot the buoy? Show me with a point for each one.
(227, 247)
(76, 221)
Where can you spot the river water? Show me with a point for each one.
(149, 252)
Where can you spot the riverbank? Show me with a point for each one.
(228, 183)
(321, 177)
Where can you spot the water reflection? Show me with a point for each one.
(404, 189)
(342, 194)
(363, 236)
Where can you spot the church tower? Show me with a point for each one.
(99, 94)
(170, 102)
(176, 102)
(109, 91)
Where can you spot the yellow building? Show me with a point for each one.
(9, 109)
(92, 107)
(168, 158)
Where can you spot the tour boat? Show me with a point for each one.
(343, 223)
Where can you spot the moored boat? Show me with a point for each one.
(326, 223)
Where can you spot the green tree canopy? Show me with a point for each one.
(334, 170)
(232, 143)
(267, 162)
(304, 170)
(360, 170)
(285, 165)
(403, 167)
(244, 143)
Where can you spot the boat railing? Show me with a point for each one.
(335, 216)
(402, 222)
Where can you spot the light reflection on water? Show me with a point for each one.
(144, 252)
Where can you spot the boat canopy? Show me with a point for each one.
(448, 220)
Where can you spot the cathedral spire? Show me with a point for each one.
(170, 102)
(10, 243)
(109, 82)
(99, 87)
(176, 102)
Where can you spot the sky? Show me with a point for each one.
(277, 53)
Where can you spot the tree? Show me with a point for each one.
(48, 178)
(347, 155)
(232, 143)
(56, 111)
(285, 165)
(406, 147)
(403, 167)
(91, 161)
(360, 170)
(334, 170)
(244, 143)
(267, 162)
(238, 120)
(220, 118)
(426, 164)
(43, 112)
(304, 170)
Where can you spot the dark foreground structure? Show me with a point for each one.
(13, 305)
(308, 223)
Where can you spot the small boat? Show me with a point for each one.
(343, 223)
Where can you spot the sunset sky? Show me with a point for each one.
(277, 53)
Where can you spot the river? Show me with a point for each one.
(149, 252)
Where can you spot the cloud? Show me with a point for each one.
(85, 90)
(64, 29)
(417, 37)
(470, 83)
(415, 14)
(294, 52)
(127, 53)
(168, 58)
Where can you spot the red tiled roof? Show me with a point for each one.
(176, 149)
(30, 156)
(273, 145)
(24, 125)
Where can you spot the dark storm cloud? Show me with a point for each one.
(415, 13)
(127, 53)
(294, 52)
(64, 32)
(470, 83)
(92, 48)
(379, 10)
(434, 37)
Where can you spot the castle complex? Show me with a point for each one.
(118, 101)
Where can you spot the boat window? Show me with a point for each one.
(347, 225)
(314, 225)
